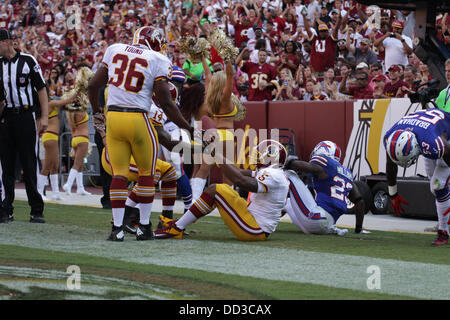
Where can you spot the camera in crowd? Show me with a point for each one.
(425, 95)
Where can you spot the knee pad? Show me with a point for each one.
(440, 179)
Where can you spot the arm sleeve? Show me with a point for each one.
(37, 79)
(163, 69)
(107, 57)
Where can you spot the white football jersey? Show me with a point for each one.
(266, 206)
(132, 72)
(157, 115)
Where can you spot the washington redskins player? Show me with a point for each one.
(253, 221)
(133, 73)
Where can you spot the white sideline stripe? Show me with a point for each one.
(414, 279)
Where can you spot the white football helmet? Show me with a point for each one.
(329, 149)
(403, 148)
(268, 152)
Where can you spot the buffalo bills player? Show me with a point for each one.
(426, 133)
(332, 183)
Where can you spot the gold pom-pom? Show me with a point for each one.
(80, 88)
(223, 45)
(195, 48)
(241, 110)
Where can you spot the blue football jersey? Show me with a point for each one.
(332, 191)
(428, 126)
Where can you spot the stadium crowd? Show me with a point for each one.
(310, 49)
(288, 50)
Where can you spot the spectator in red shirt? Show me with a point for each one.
(359, 91)
(240, 28)
(260, 76)
(279, 24)
(392, 89)
(4, 21)
(289, 57)
(47, 16)
(379, 83)
(323, 51)
(44, 56)
(376, 70)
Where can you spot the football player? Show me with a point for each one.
(133, 73)
(176, 86)
(426, 133)
(249, 222)
(332, 183)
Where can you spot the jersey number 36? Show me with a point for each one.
(126, 73)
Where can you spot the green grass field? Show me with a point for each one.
(210, 263)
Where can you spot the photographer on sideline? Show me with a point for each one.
(443, 100)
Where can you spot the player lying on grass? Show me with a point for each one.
(332, 183)
(253, 222)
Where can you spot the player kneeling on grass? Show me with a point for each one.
(253, 222)
(332, 184)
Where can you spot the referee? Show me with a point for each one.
(20, 75)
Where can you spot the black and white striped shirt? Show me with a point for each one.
(19, 76)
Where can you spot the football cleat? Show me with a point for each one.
(37, 219)
(171, 231)
(144, 232)
(165, 218)
(117, 234)
(441, 238)
(130, 228)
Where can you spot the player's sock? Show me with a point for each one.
(185, 190)
(442, 205)
(118, 193)
(168, 194)
(145, 193)
(200, 208)
(197, 184)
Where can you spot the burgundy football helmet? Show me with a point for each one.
(152, 38)
(267, 153)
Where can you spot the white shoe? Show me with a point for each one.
(83, 192)
(66, 189)
(338, 231)
(44, 198)
(56, 196)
